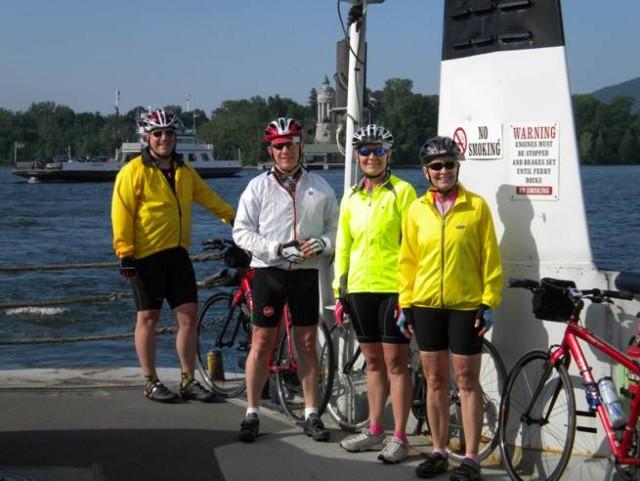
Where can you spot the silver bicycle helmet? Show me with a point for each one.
(372, 134)
(158, 119)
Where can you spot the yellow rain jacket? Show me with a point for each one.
(369, 234)
(148, 217)
(451, 262)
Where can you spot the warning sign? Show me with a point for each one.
(535, 151)
(480, 141)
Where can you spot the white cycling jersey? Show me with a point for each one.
(269, 215)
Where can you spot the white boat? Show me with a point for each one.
(200, 156)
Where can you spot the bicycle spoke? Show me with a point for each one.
(492, 379)
(288, 385)
(538, 416)
(348, 404)
(223, 333)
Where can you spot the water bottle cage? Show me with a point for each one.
(593, 395)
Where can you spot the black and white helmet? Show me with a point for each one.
(158, 119)
(372, 134)
(438, 146)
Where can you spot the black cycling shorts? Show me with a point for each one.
(373, 317)
(165, 275)
(442, 329)
(273, 287)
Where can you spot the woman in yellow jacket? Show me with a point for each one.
(151, 218)
(366, 262)
(450, 277)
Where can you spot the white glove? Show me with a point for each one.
(290, 252)
(316, 245)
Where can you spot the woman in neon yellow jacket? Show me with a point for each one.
(366, 262)
(449, 279)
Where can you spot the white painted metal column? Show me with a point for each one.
(355, 90)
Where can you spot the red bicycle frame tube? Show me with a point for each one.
(570, 345)
(244, 291)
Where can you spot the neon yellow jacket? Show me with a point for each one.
(368, 238)
(453, 262)
(147, 217)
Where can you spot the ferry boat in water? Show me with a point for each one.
(66, 169)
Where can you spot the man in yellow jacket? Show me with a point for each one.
(151, 216)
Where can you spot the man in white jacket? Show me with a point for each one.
(287, 218)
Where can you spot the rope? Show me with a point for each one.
(115, 296)
(93, 265)
(61, 340)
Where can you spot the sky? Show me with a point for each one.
(79, 52)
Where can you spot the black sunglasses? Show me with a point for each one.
(168, 133)
(377, 151)
(289, 145)
(449, 164)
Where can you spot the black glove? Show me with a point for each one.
(128, 268)
(485, 314)
(404, 320)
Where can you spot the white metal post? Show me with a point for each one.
(355, 91)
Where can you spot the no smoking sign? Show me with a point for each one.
(460, 138)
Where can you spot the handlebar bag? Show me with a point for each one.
(551, 301)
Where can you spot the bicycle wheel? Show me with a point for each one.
(348, 404)
(537, 419)
(224, 333)
(492, 380)
(288, 385)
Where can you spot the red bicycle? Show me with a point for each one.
(538, 408)
(224, 338)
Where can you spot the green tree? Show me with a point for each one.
(412, 118)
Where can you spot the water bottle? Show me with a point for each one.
(611, 402)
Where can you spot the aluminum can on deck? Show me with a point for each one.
(215, 367)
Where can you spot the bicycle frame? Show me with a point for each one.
(244, 291)
(569, 348)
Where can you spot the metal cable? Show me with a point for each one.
(61, 340)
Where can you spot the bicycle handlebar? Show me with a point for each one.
(524, 283)
(594, 295)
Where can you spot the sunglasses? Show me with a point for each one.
(449, 165)
(377, 151)
(288, 145)
(167, 133)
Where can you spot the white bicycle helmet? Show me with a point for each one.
(158, 119)
(372, 134)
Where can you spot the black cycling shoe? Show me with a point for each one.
(156, 391)
(434, 464)
(197, 392)
(314, 428)
(468, 470)
(249, 428)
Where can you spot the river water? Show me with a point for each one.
(69, 223)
